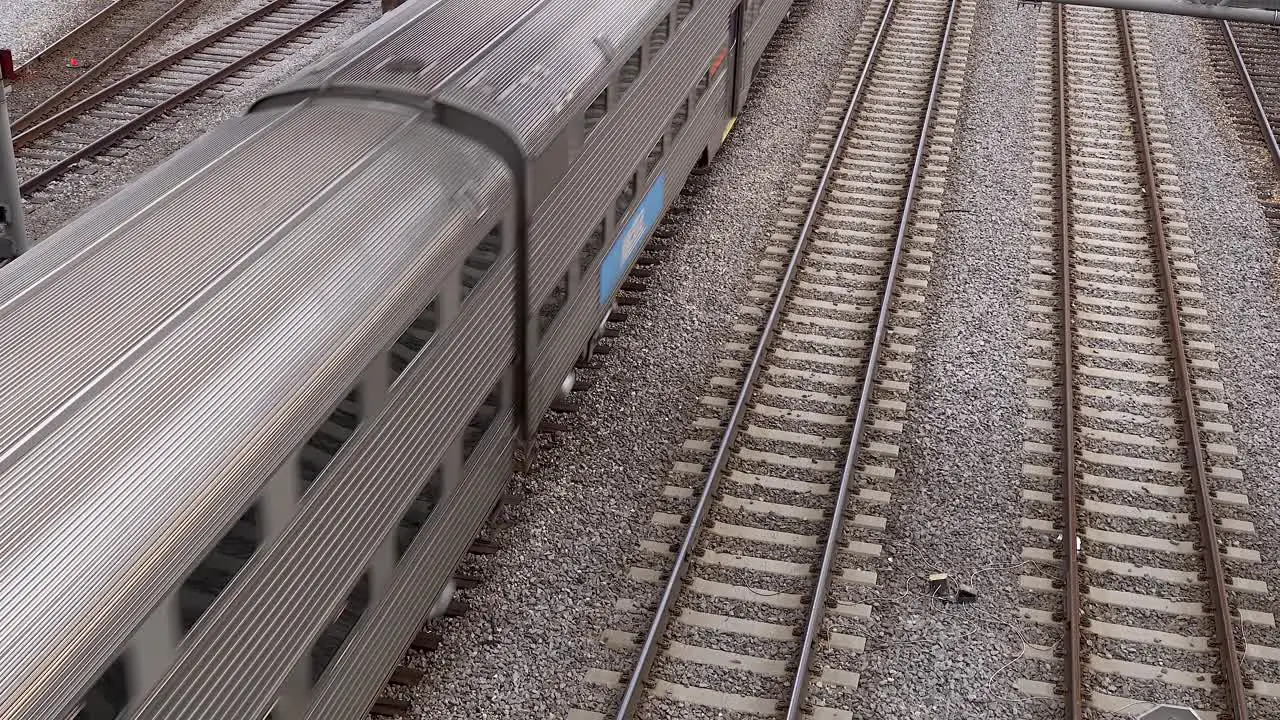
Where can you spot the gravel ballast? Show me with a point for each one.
(63, 200)
(956, 508)
(1237, 256)
(535, 624)
(33, 24)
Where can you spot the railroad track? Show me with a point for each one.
(1137, 550)
(97, 44)
(773, 510)
(50, 147)
(1245, 57)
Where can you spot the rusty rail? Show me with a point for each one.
(1251, 91)
(57, 45)
(32, 129)
(675, 581)
(54, 172)
(89, 75)
(1073, 615)
(1232, 675)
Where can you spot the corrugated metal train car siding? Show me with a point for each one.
(244, 648)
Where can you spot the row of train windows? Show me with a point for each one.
(594, 114)
(329, 438)
(591, 247)
(630, 70)
(110, 694)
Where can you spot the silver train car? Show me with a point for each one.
(262, 399)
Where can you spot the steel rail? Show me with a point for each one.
(800, 681)
(57, 45)
(1233, 676)
(1255, 100)
(675, 581)
(52, 173)
(34, 130)
(100, 67)
(1073, 615)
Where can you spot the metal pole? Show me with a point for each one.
(13, 233)
(1259, 15)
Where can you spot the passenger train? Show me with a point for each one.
(259, 402)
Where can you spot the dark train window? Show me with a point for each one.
(702, 86)
(480, 260)
(595, 113)
(416, 516)
(481, 421)
(331, 640)
(678, 120)
(329, 438)
(623, 201)
(414, 338)
(591, 247)
(630, 71)
(219, 567)
(108, 696)
(554, 303)
(659, 36)
(683, 8)
(655, 157)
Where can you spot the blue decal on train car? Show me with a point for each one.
(629, 241)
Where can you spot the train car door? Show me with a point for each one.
(733, 67)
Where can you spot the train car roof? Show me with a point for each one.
(534, 79)
(537, 57)
(183, 380)
(415, 48)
